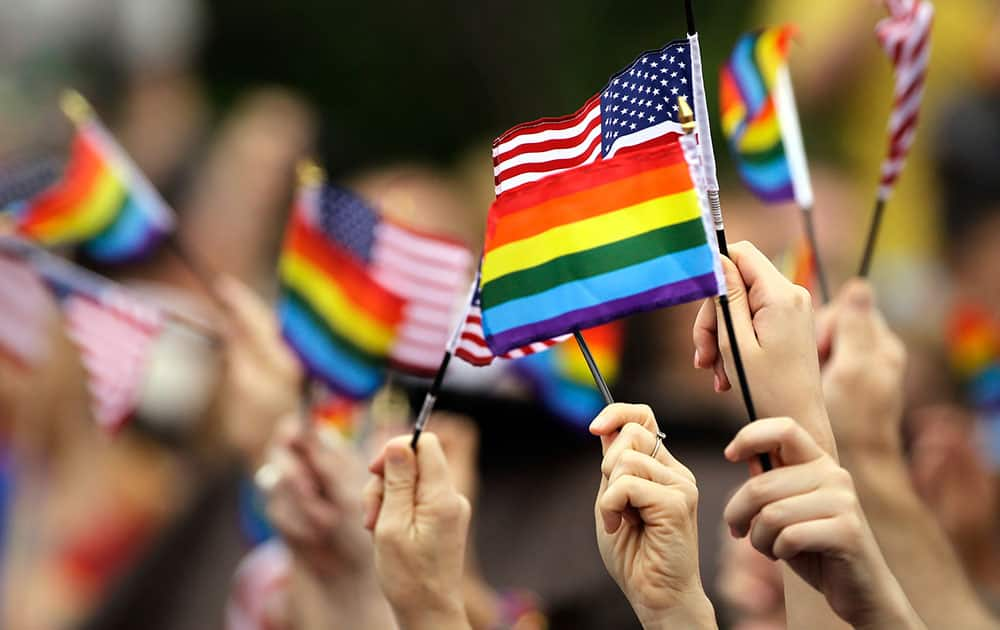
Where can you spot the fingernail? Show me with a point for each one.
(728, 452)
(396, 457)
(734, 532)
(860, 300)
(697, 363)
(717, 383)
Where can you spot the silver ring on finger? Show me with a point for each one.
(660, 436)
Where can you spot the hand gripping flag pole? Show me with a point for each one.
(711, 177)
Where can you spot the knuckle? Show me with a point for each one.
(788, 430)
(895, 352)
(770, 516)
(799, 298)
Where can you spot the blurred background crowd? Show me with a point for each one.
(217, 101)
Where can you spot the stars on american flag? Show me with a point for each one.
(645, 94)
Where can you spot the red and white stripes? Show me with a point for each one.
(905, 35)
(472, 344)
(532, 151)
(114, 334)
(429, 273)
(25, 308)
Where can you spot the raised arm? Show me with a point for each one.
(863, 386)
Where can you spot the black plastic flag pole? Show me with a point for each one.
(430, 399)
(873, 230)
(594, 370)
(691, 121)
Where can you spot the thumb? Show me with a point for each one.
(856, 325)
(400, 480)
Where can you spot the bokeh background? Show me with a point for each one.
(217, 100)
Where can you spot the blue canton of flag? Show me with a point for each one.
(349, 220)
(639, 104)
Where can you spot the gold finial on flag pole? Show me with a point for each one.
(309, 173)
(76, 107)
(686, 115)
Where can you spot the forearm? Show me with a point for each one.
(913, 544)
(695, 613)
(805, 607)
(351, 602)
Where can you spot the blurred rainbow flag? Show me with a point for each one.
(562, 380)
(337, 318)
(750, 116)
(593, 244)
(974, 349)
(338, 414)
(102, 202)
(798, 264)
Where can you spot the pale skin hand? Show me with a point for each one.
(863, 369)
(263, 378)
(316, 507)
(863, 373)
(420, 524)
(774, 327)
(646, 518)
(807, 513)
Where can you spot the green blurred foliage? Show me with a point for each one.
(404, 79)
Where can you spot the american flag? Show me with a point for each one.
(24, 308)
(112, 329)
(428, 271)
(472, 345)
(637, 107)
(23, 180)
(905, 35)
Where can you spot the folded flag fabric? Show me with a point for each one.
(562, 380)
(340, 321)
(584, 247)
(750, 113)
(102, 202)
(25, 308)
(112, 328)
(906, 38)
(637, 109)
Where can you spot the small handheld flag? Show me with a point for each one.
(113, 329)
(636, 110)
(761, 122)
(337, 318)
(594, 244)
(102, 202)
(906, 38)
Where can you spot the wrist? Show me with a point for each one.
(447, 616)
(693, 611)
(897, 614)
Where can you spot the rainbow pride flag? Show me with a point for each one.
(798, 264)
(974, 351)
(593, 244)
(339, 321)
(338, 414)
(102, 202)
(750, 117)
(562, 381)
